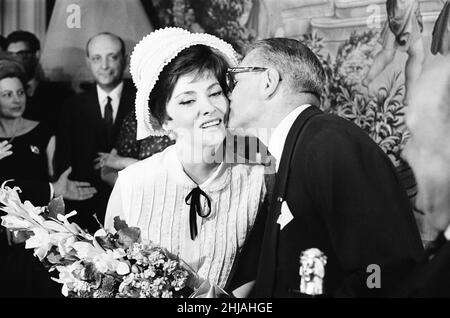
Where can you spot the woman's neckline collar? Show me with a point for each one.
(216, 181)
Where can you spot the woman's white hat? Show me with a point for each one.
(151, 55)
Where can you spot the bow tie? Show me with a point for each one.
(193, 200)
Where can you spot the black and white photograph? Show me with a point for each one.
(241, 150)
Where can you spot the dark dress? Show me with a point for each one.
(128, 146)
(22, 274)
(46, 103)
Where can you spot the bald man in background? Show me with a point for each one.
(90, 124)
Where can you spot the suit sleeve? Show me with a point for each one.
(430, 278)
(364, 208)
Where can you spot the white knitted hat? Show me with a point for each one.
(151, 55)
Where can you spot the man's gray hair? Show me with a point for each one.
(295, 62)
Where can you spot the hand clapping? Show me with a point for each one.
(110, 160)
(5, 149)
(73, 190)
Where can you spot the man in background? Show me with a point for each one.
(44, 98)
(91, 121)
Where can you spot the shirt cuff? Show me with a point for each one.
(52, 191)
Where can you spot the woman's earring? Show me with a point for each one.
(171, 134)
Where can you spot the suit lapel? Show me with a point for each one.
(93, 109)
(288, 150)
(94, 115)
(267, 276)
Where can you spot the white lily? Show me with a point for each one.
(71, 227)
(55, 226)
(67, 278)
(103, 260)
(13, 222)
(40, 241)
(65, 245)
(9, 197)
(34, 212)
(107, 262)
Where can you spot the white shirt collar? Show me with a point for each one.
(115, 95)
(447, 233)
(279, 135)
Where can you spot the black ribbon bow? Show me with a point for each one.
(193, 200)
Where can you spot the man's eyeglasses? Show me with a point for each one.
(236, 70)
(231, 80)
(22, 53)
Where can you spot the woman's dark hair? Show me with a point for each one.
(197, 59)
(10, 67)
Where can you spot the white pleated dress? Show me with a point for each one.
(150, 194)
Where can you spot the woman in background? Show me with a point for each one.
(26, 149)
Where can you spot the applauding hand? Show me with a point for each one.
(112, 160)
(5, 149)
(73, 190)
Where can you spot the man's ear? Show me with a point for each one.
(271, 82)
(88, 62)
(38, 54)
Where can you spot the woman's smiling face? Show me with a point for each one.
(197, 109)
(12, 98)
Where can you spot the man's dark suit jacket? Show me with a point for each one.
(431, 277)
(347, 201)
(81, 135)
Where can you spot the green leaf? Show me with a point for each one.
(128, 236)
(106, 242)
(119, 224)
(56, 206)
(54, 257)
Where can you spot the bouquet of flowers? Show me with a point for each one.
(102, 265)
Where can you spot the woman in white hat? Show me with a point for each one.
(185, 199)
